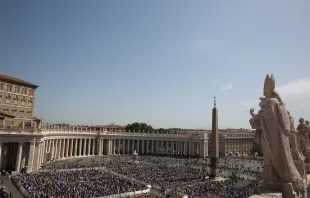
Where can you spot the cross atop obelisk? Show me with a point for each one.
(214, 101)
(215, 142)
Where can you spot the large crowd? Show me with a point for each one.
(75, 183)
(106, 175)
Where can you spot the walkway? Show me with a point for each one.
(10, 187)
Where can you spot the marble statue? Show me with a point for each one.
(134, 155)
(304, 142)
(274, 134)
(23, 125)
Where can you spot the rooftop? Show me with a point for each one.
(17, 81)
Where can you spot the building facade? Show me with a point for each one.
(17, 99)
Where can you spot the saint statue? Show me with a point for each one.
(274, 134)
(304, 142)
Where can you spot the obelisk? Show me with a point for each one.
(215, 142)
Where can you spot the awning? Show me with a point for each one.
(6, 115)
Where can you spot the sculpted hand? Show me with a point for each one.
(252, 112)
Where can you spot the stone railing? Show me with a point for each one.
(100, 131)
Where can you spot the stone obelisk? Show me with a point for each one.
(215, 142)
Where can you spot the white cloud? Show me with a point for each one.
(227, 87)
(299, 90)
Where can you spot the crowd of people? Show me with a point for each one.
(91, 177)
(75, 183)
(210, 188)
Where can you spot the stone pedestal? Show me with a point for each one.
(276, 189)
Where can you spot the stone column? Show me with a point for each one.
(123, 146)
(93, 147)
(138, 146)
(56, 148)
(167, 147)
(19, 155)
(42, 152)
(63, 148)
(36, 161)
(71, 148)
(46, 149)
(172, 147)
(114, 146)
(128, 146)
(31, 155)
(75, 147)
(152, 146)
(66, 147)
(101, 147)
(52, 149)
(88, 150)
(84, 149)
(142, 142)
(156, 146)
(59, 148)
(162, 147)
(80, 147)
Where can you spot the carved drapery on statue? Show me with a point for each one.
(274, 134)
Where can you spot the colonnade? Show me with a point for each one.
(32, 154)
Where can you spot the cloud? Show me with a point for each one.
(226, 87)
(298, 90)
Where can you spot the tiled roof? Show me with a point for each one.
(17, 80)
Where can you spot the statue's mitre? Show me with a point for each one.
(270, 83)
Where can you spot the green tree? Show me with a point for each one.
(139, 127)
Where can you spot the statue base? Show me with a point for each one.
(276, 189)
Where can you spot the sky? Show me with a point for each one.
(159, 62)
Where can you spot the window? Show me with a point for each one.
(16, 89)
(30, 92)
(25, 91)
(29, 103)
(9, 88)
(23, 101)
(8, 99)
(21, 114)
(0, 98)
(14, 112)
(1, 86)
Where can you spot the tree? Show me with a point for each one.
(139, 127)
